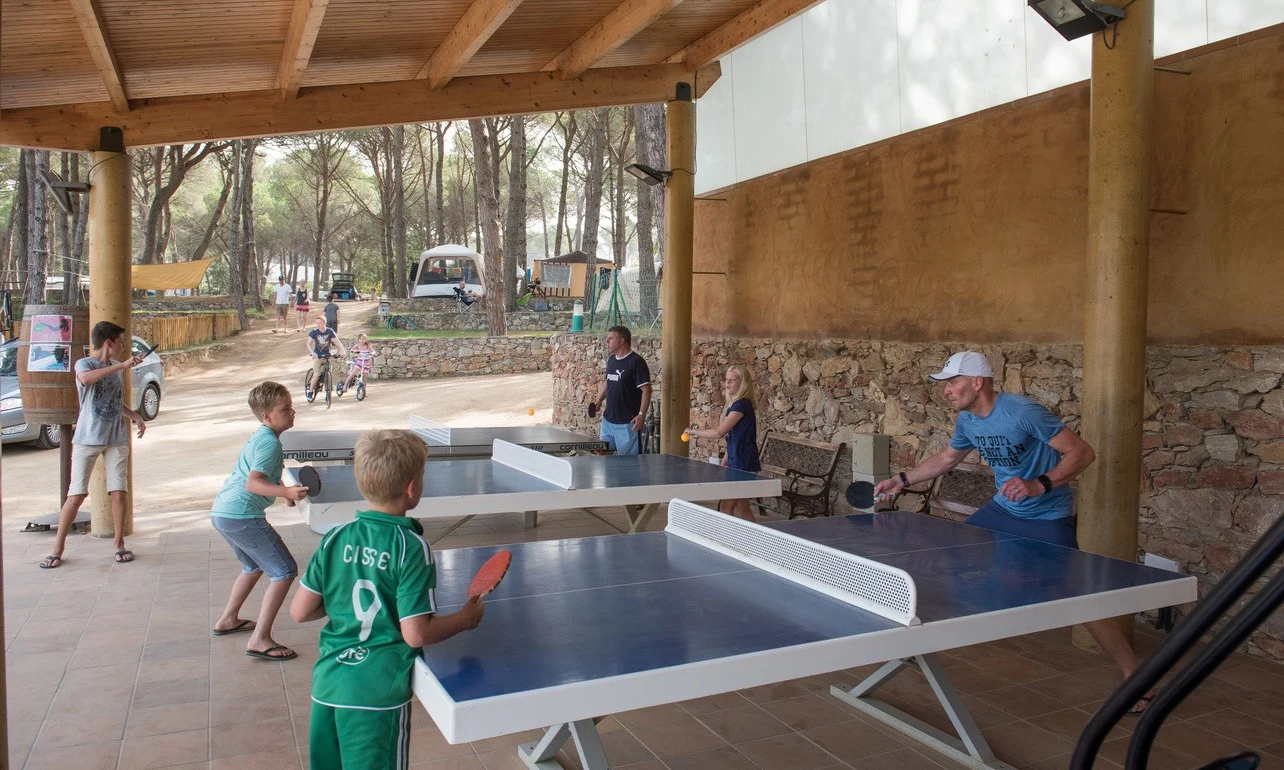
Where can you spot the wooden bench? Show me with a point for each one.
(806, 472)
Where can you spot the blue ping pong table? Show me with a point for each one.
(517, 479)
(588, 627)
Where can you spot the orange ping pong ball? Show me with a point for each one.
(530, 411)
(686, 436)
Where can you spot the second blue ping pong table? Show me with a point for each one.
(588, 627)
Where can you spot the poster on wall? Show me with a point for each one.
(49, 358)
(51, 328)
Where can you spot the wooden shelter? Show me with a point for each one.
(566, 275)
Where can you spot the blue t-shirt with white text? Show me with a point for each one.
(1013, 439)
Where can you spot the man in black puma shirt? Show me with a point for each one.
(626, 391)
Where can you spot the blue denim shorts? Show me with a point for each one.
(621, 436)
(257, 546)
(1056, 531)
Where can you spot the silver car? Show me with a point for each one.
(148, 388)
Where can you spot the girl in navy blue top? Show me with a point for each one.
(740, 426)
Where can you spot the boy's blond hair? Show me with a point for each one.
(265, 397)
(386, 461)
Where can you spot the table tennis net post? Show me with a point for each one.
(874, 587)
(431, 430)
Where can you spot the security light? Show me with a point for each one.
(61, 190)
(1076, 18)
(652, 176)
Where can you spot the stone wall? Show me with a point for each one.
(447, 305)
(1214, 431)
(423, 358)
(180, 360)
(203, 302)
(475, 319)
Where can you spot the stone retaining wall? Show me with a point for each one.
(447, 304)
(210, 302)
(179, 360)
(475, 319)
(425, 358)
(1213, 446)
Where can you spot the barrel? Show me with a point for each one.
(52, 339)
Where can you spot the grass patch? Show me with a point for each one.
(382, 333)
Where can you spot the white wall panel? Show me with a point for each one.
(1228, 18)
(770, 124)
(1051, 61)
(958, 57)
(716, 134)
(849, 60)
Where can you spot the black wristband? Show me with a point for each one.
(904, 479)
(1045, 481)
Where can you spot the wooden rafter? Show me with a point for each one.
(91, 27)
(747, 25)
(469, 34)
(623, 22)
(305, 23)
(186, 119)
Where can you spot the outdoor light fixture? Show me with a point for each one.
(60, 190)
(652, 176)
(1076, 18)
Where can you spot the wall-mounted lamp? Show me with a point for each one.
(1076, 18)
(60, 190)
(652, 176)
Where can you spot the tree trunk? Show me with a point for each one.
(593, 199)
(235, 273)
(248, 246)
(204, 245)
(62, 223)
(515, 235)
(21, 201)
(649, 128)
(489, 213)
(402, 270)
(568, 143)
(37, 236)
(440, 130)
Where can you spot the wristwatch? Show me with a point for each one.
(904, 479)
(1045, 481)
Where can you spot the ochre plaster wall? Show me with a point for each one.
(976, 229)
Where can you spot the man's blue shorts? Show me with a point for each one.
(1055, 531)
(621, 436)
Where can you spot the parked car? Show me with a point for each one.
(148, 389)
(342, 286)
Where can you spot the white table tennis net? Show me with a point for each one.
(884, 590)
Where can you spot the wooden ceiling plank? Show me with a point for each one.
(746, 26)
(305, 23)
(617, 27)
(469, 34)
(329, 108)
(91, 27)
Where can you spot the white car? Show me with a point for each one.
(148, 389)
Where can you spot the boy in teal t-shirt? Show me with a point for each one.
(237, 514)
(374, 578)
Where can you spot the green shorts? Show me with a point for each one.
(371, 740)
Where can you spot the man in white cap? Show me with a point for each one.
(1034, 457)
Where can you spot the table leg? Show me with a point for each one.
(969, 748)
(531, 519)
(450, 529)
(542, 755)
(638, 518)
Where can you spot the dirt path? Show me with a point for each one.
(191, 446)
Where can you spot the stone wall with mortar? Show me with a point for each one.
(447, 304)
(400, 359)
(1214, 432)
(516, 322)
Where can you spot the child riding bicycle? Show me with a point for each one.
(319, 343)
(359, 367)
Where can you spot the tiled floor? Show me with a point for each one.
(114, 666)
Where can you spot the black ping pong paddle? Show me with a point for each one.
(149, 351)
(860, 494)
(309, 478)
(592, 409)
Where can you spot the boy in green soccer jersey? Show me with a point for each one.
(374, 578)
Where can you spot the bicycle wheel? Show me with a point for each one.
(361, 391)
(329, 386)
(306, 394)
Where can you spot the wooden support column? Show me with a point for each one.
(1114, 339)
(110, 287)
(679, 219)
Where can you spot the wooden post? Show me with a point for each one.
(110, 296)
(1114, 339)
(679, 219)
(4, 663)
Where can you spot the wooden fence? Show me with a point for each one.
(171, 332)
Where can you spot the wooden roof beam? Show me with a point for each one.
(746, 26)
(305, 23)
(617, 27)
(235, 115)
(91, 26)
(469, 34)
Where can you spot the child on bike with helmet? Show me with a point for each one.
(362, 357)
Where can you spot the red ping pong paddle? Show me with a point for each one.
(309, 478)
(488, 577)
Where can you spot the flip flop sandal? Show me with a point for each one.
(266, 654)
(1146, 699)
(52, 561)
(122, 553)
(244, 625)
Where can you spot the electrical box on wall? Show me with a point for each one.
(871, 453)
